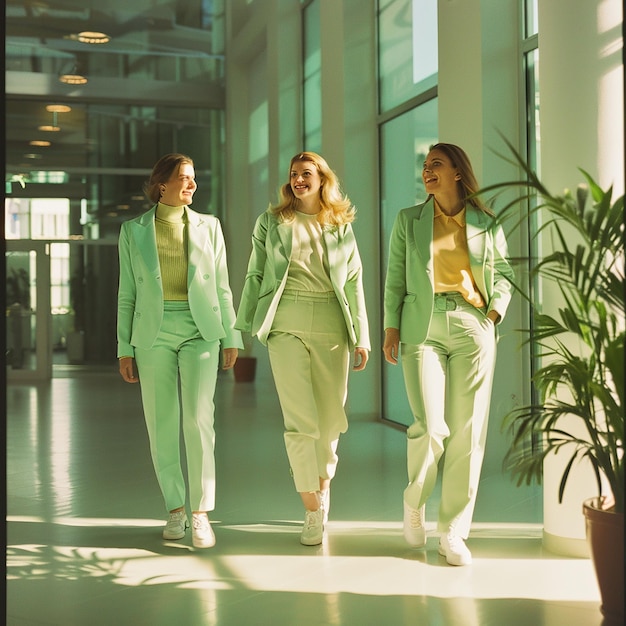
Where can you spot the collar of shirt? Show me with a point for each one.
(459, 218)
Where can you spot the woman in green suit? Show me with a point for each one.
(303, 298)
(175, 308)
(448, 285)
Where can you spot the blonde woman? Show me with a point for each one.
(303, 298)
(448, 284)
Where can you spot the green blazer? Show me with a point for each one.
(140, 294)
(267, 275)
(409, 288)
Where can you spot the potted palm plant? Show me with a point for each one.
(245, 365)
(580, 380)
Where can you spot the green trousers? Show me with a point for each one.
(180, 372)
(448, 380)
(309, 356)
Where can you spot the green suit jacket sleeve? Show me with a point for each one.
(409, 284)
(140, 293)
(267, 273)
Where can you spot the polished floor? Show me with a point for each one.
(84, 525)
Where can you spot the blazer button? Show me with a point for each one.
(215, 308)
(140, 279)
(206, 276)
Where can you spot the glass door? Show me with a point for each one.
(28, 347)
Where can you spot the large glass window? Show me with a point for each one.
(77, 154)
(408, 126)
(21, 305)
(407, 50)
(37, 218)
(411, 135)
(312, 88)
(530, 69)
(531, 23)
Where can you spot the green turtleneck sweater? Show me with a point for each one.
(171, 239)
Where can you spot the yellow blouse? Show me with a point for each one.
(451, 257)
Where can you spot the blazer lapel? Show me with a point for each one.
(331, 241)
(145, 237)
(197, 241)
(423, 233)
(285, 235)
(476, 228)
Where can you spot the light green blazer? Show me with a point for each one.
(267, 275)
(409, 286)
(140, 294)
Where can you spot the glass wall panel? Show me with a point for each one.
(407, 50)
(76, 159)
(312, 88)
(109, 180)
(404, 141)
(21, 307)
(184, 40)
(531, 24)
(533, 154)
(533, 136)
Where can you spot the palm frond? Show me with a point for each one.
(580, 381)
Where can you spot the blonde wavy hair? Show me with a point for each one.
(336, 207)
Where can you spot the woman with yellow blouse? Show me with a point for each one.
(448, 285)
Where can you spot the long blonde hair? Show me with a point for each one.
(467, 185)
(336, 207)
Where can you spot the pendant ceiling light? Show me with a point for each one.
(93, 37)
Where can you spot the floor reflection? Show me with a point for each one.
(84, 523)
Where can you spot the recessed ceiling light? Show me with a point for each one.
(39, 142)
(49, 129)
(32, 155)
(72, 79)
(88, 36)
(58, 108)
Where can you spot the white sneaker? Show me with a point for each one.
(202, 535)
(176, 525)
(454, 549)
(414, 530)
(313, 528)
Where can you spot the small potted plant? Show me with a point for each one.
(580, 380)
(245, 365)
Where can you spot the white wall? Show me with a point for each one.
(582, 126)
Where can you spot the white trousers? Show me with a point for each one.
(309, 356)
(448, 380)
(181, 356)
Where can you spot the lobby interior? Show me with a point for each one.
(241, 86)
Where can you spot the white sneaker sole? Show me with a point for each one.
(455, 559)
